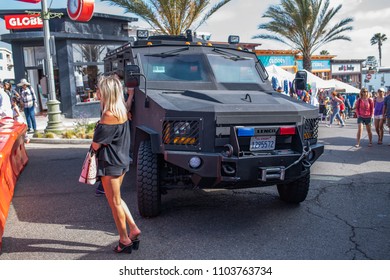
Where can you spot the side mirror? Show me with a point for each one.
(132, 74)
(300, 80)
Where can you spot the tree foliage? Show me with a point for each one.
(324, 52)
(379, 38)
(304, 25)
(172, 17)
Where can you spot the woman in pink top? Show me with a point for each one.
(364, 114)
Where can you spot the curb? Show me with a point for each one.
(59, 141)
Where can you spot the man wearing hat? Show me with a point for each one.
(29, 100)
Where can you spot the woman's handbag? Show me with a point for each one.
(89, 169)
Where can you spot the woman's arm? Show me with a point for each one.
(129, 102)
(357, 107)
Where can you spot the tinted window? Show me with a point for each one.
(175, 68)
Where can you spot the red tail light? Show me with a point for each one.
(287, 130)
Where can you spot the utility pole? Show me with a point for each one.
(53, 105)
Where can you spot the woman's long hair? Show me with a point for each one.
(111, 97)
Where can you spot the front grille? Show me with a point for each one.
(310, 130)
(181, 133)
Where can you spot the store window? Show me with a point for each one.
(34, 56)
(88, 66)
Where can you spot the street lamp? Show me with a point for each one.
(54, 123)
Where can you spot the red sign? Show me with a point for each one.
(30, 1)
(22, 21)
(368, 76)
(81, 10)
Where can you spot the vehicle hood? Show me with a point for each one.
(230, 103)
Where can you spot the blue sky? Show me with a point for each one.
(241, 17)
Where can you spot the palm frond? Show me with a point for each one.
(304, 24)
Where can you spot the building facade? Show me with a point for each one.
(291, 61)
(375, 79)
(78, 49)
(6, 64)
(348, 71)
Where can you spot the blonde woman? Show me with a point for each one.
(364, 113)
(112, 142)
(378, 114)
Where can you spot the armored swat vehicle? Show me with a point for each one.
(206, 116)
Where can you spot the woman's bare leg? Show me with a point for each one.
(369, 133)
(359, 134)
(134, 230)
(111, 187)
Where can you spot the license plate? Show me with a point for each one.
(262, 143)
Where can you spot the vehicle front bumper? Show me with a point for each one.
(260, 169)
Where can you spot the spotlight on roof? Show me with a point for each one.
(234, 39)
(142, 34)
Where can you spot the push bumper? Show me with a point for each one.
(258, 169)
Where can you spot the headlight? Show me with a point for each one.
(181, 132)
(181, 128)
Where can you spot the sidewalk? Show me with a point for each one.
(68, 124)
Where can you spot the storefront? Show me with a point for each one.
(291, 61)
(348, 71)
(78, 51)
(281, 58)
(320, 65)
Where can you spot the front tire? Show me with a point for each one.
(295, 192)
(148, 185)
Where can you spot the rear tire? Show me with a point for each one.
(295, 192)
(148, 185)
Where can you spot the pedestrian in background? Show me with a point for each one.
(342, 106)
(29, 101)
(111, 140)
(335, 104)
(17, 115)
(378, 114)
(386, 110)
(9, 91)
(5, 104)
(364, 114)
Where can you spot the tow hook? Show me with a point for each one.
(307, 152)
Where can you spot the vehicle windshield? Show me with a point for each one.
(234, 69)
(175, 68)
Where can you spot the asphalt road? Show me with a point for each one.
(345, 217)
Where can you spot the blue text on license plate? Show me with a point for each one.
(262, 143)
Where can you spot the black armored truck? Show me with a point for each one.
(206, 116)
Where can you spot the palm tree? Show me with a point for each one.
(379, 38)
(304, 25)
(324, 52)
(172, 17)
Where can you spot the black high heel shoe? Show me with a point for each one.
(122, 248)
(135, 242)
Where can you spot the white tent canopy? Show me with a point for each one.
(340, 85)
(280, 77)
(320, 83)
(280, 73)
